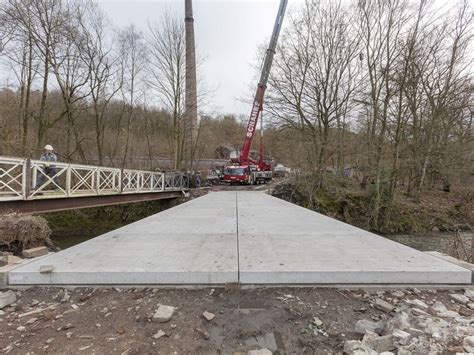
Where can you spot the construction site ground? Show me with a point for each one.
(120, 321)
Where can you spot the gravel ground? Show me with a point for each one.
(283, 320)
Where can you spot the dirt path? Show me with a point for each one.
(119, 321)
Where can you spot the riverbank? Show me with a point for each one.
(75, 226)
(346, 200)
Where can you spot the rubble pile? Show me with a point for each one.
(260, 321)
(416, 326)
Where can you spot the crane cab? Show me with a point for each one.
(245, 174)
(237, 174)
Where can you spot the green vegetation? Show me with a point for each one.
(346, 200)
(98, 220)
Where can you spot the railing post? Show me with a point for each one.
(34, 176)
(26, 179)
(68, 180)
(94, 181)
(121, 180)
(117, 181)
(163, 181)
(97, 180)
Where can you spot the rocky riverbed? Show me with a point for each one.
(219, 321)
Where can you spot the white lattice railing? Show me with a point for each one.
(12, 172)
(24, 179)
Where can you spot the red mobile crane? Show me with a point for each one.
(244, 169)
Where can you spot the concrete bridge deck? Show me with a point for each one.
(246, 237)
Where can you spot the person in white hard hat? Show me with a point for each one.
(49, 169)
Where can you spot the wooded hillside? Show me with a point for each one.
(383, 86)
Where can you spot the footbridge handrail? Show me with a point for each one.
(29, 179)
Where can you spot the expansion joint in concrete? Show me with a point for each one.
(237, 235)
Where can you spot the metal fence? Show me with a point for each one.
(25, 179)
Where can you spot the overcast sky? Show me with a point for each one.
(228, 34)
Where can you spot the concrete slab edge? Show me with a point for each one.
(453, 260)
(6, 269)
(256, 286)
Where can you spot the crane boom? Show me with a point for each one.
(257, 105)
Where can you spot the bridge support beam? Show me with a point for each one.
(62, 204)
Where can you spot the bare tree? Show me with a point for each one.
(68, 64)
(132, 54)
(315, 77)
(381, 25)
(104, 73)
(443, 65)
(23, 60)
(166, 75)
(42, 22)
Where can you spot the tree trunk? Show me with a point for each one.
(26, 109)
(44, 95)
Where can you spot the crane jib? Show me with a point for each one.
(253, 119)
(258, 101)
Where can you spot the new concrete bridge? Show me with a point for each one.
(27, 187)
(239, 237)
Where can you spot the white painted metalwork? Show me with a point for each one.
(12, 172)
(25, 179)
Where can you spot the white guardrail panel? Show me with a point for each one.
(23, 179)
(12, 176)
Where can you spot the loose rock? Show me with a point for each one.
(46, 269)
(418, 312)
(459, 298)
(204, 334)
(378, 343)
(417, 303)
(355, 347)
(66, 297)
(415, 332)
(401, 321)
(35, 252)
(398, 294)
(263, 351)
(317, 322)
(31, 321)
(163, 314)
(208, 315)
(159, 334)
(402, 336)
(351, 345)
(468, 344)
(469, 293)
(383, 305)
(364, 325)
(7, 298)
